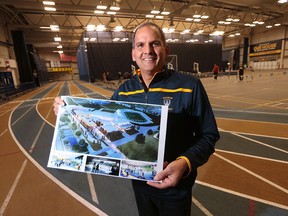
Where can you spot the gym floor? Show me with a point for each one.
(247, 175)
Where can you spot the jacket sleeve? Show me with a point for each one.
(206, 132)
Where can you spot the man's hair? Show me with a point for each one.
(150, 24)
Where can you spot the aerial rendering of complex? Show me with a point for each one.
(109, 137)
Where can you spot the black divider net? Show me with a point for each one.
(116, 57)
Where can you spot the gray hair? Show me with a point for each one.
(150, 24)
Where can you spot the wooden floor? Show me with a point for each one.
(247, 175)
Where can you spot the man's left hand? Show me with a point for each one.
(171, 175)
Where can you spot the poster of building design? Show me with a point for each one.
(113, 138)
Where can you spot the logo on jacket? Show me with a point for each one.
(167, 101)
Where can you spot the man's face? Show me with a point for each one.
(149, 50)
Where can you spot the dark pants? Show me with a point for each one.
(162, 202)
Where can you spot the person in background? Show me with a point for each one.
(191, 127)
(241, 72)
(215, 71)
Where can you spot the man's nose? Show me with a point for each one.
(148, 49)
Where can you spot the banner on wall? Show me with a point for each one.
(112, 138)
(267, 48)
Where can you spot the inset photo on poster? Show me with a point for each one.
(72, 162)
(112, 131)
(104, 166)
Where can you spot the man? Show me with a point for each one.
(241, 72)
(191, 127)
(215, 71)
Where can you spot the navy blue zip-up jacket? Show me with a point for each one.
(191, 127)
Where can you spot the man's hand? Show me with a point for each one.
(57, 102)
(171, 175)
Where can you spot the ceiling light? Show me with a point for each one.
(165, 12)
(149, 15)
(282, 1)
(197, 20)
(49, 8)
(269, 26)
(168, 30)
(98, 12)
(100, 28)
(59, 47)
(111, 12)
(54, 27)
(93, 39)
(186, 31)
(115, 8)
(277, 24)
(155, 11)
(217, 33)
(189, 19)
(90, 27)
(237, 34)
(101, 7)
(159, 17)
(57, 38)
(204, 16)
(48, 3)
(118, 28)
(196, 16)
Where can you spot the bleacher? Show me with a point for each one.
(6, 92)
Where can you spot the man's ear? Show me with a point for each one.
(167, 50)
(132, 54)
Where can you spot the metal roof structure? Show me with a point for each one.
(185, 18)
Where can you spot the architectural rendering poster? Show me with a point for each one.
(113, 138)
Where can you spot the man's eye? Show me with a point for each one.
(155, 44)
(139, 45)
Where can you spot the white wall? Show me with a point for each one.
(259, 35)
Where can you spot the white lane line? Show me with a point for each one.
(254, 121)
(242, 195)
(3, 132)
(252, 112)
(251, 134)
(260, 143)
(19, 118)
(201, 207)
(252, 156)
(252, 173)
(92, 188)
(52, 178)
(12, 189)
